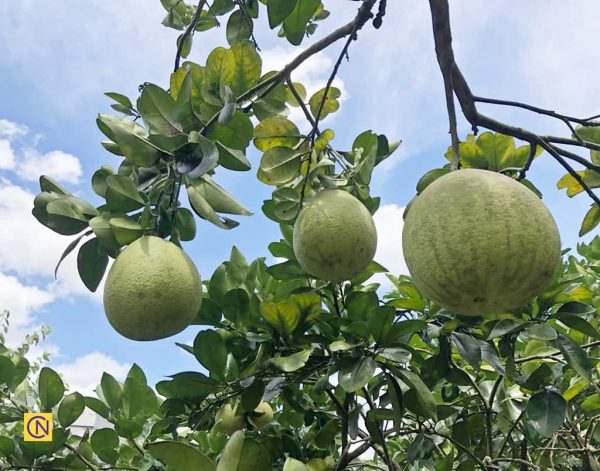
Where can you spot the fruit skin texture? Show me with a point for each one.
(266, 417)
(478, 242)
(152, 290)
(227, 422)
(334, 236)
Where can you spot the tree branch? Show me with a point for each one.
(443, 46)
(189, 31)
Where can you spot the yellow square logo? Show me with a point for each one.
(37, 427)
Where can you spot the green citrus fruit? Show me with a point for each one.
(266, 416)
(334, 236)
(227, 422)
(478, 242)
(152, 290)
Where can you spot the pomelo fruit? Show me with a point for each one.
(478, 242)
(266, 418)
(152, 290)
(334, 236)
(227, 422)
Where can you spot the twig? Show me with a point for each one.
(363, 15)
(518, 460)
(535, 109)
(84, 460)
(510, 431)
(443, 46)
(249, 22)
(189, 31)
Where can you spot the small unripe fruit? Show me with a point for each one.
(266, 416)
(227, 422)
(334, 236)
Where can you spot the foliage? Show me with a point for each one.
(345, 367)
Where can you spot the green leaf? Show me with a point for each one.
(295, 23)
(590, 177)
(589, 133)
(99, 180)
(275, 132)
(191, 385)
(219, 199)
(128, 428)
(468, 347)
(7, 446)
(233, 159)
(278, 10)
(20, 373)
(7, 370)
(203, 209)
(292, 362)
(157, 108)
(239, 27)
(177, 456)
(282, 315)
(211, 352)
(430, 177)
(252, 395)
(287, 204)
(546, 412)
(569, 314)
(111, 390)
(254, 457)
(50, 185)
(424, 395)
(105, 442)
(503, 327)
(236, 134)
(591, 220)
(125, 229)
(91, 263)
(122, 194)
(70, 409)
(355, 374)
(280, 165)
(138, 398)
(574, 355)
(330, 105)
(64, 215)
(232, 454)
(97, 406)
(541, 332)
(196, 158)
(121, 99)
(131, 139)
(186, 224)
(50, 388)
(241, 67)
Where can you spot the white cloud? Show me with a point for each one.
(389, 223)
(7, 156)
(22, 301)
(56, 164)
(10, 129)
(28, 249)
(84, 373)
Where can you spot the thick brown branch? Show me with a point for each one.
(443, 46)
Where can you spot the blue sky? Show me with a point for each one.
(57, 58)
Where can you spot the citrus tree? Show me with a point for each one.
(487, 358)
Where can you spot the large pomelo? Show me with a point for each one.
(478, 242)
(334, 236)
(152, 290)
